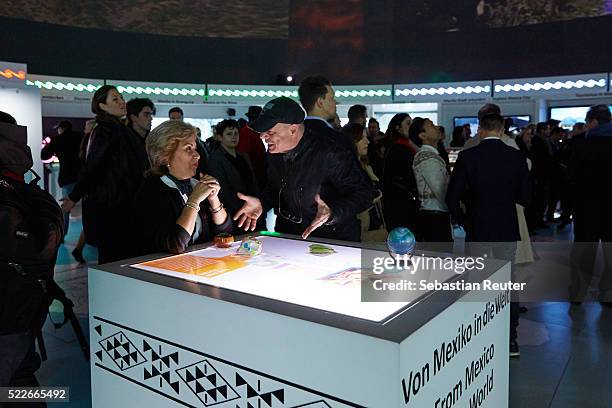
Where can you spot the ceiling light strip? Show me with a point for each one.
(551, 86)
(451, 90)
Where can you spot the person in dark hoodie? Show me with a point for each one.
(114, 169)
(31, 227)
(589, 172)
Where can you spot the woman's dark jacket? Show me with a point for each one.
(400, 195)
(114, 169)
(155, 211)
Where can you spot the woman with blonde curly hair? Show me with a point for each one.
(172, 209)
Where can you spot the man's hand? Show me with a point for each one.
(249, 213)
(67, 204)
(323, 215)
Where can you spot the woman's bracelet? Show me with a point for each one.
(192, 205)
(216, 210)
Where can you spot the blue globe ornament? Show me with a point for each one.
(401, 241)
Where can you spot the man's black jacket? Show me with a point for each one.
(317, 165)
(490, 178)
(66, 147)
(590, 174)
(319, 127)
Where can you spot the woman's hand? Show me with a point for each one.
(207, 187)
(213, 183)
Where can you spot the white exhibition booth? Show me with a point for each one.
(289, 329)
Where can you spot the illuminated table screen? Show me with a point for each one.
(284, 271)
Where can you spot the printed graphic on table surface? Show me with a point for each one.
(349, 276)
(199, 265)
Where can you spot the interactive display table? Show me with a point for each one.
(288, 328)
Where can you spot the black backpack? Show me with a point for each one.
(31, 230)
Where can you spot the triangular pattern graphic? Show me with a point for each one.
(213, 394)
(213, 379)
(239, 380)
(267, 398)
(251, 392)
(199, 388)
(205, 377)
(207, 384)
(279, 395)
(155, 371)
(120, 350)
(199, 374)
(175, 386)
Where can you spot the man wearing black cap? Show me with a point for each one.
(250, 144)
(314, 186)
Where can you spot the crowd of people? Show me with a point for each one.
(164, 189)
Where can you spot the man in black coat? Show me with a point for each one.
(314, 185)
(590, 174)
(542, 170)
(65, 146)
(491, 178)
(318, 100)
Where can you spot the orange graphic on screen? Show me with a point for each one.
(197, 265)
(9, 73)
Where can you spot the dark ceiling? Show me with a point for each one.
(350, 41)
(202, 18)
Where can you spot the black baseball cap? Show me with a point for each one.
(279, 110)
